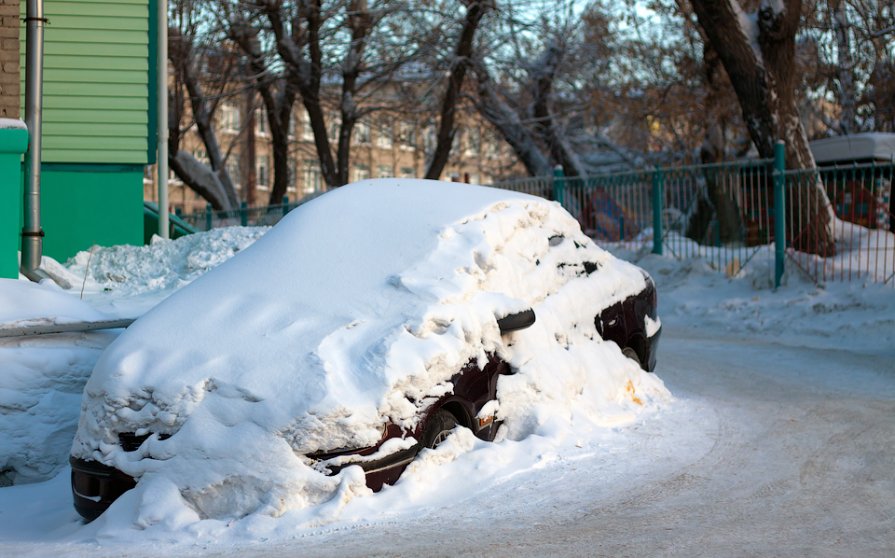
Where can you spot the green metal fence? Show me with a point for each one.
(733, 214)
(861, 219)
(730, 215)
(244, 216)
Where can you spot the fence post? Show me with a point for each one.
(285, 205)
(658, 201)
(558, 185)
(208, 215)
(244, 214)
(779, 210)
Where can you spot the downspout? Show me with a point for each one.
(32, 234)
(162, 95)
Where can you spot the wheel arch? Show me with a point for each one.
(459, 411)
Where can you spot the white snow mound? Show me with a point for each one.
(356, 310)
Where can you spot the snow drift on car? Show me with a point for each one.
(353, 312)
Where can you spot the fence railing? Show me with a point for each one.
(862, 218)
(731, 214)
(244, 216)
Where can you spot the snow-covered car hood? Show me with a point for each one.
(349, 313)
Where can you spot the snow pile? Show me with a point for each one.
(161, 267)
(23, 303)
(356, 310)
(41, 379)
(713, 291)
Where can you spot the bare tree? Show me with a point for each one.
(760, 59)
(532, 86)
(459, 64)
(300, 33)
(189, 55)
(277, 92)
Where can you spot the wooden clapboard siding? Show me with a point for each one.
(97, 88)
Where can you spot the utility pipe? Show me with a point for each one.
(162, 94)
(18, 330)
(32, 234)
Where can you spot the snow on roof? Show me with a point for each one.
(855, 147)
(12, 124)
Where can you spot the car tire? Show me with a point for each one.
(438, 428)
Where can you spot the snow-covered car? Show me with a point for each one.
(364, 327)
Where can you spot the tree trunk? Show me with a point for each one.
(848, 96)
(251, 151)
(760, 60)
(212, 183)
(717, 201)
(543, 75)
(475, 9)
(304, 72)
(507, 122)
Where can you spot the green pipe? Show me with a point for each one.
(779, 211)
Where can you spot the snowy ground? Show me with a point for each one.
(779, 441)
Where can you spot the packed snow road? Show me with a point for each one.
(767, 450)
(778, 442)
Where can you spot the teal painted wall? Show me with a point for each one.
(85, 205)
(98, 122)
(12, 145)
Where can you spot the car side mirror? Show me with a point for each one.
(516, 321)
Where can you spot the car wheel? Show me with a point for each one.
(439, 428)
(632, 354)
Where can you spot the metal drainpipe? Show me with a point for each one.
(162, 94)
(32, 234)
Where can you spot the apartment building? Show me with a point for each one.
(385, 144)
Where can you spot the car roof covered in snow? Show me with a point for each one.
(357, 304)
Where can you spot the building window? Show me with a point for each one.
(263, 173)
(233, 171)
(429, 140)
(311, 178)
(361, 172)
(261, 122)
(201, 155)
(473, 142)
(385, 134)
(229, 117)
(362, 132)
(335, 123)
(307, 133)
(408, 172)
(384, 171)
(293, 175)
(407, 135)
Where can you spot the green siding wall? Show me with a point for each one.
(83, 205)
(97, 88)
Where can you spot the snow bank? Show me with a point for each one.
(714, 291)
(25, 303)
(356, 310)
(42, 378)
